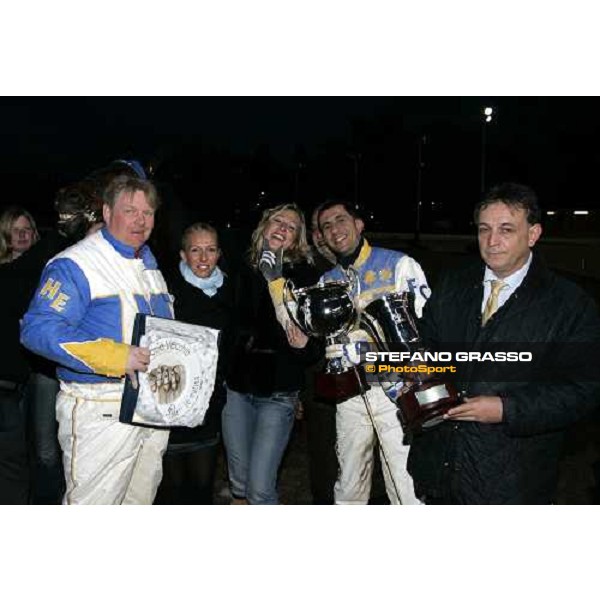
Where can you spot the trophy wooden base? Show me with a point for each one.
(425, 405)
(336, 388)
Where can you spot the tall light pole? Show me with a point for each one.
(488, 112)
(355, 156)
(420, 164)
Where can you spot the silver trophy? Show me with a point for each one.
(324, 310)
(392, 323)
(391, 319)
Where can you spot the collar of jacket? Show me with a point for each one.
(538, 274)
(538, 277)
(129, 251)
(358, 257)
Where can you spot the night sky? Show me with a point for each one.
(222, 155)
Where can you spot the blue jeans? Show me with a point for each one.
(256, 431)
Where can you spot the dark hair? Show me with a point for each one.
(514, 195)
(348, 207)
(78, 209)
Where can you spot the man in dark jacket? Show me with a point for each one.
(502, 445)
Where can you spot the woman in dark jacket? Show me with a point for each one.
(266, 373)
(203, 296)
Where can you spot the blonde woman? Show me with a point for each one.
(18, 233)
(266, 373)
(203, 296)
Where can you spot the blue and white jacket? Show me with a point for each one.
(82, 313)
(382, 271)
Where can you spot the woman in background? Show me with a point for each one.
(18, 233)
(203, 296)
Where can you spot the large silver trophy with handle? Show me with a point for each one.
(392, 323)
(325, 310)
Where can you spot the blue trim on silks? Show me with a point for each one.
(373, 270)
(51, 322)
(89, 295)
(142, 304)
(129, 251)
(161, 304)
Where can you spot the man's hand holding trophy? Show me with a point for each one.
(422, 400)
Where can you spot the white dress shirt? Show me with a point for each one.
(512, 283)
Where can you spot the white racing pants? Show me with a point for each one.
(105, 461)
(356, 440)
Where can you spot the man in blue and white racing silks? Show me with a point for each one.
(82, 317)
(359, 421)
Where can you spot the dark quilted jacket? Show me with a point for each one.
(516, 461)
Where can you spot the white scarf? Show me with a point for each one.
(209, 285)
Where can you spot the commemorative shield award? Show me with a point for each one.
(176, 389)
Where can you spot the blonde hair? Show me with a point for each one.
(129, 185)
(197, 228)
(297, 252)
(7, 220)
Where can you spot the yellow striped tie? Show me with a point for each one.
(491, 306)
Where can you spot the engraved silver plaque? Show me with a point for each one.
(176, 389)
